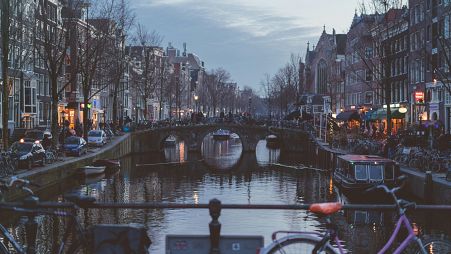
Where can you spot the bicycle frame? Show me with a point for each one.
(403, 220)
(10, 239)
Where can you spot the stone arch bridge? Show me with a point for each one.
(292, 139)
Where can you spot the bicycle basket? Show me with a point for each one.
(120, 239)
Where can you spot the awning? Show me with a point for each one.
(381, 114)
(368, 115)
(397, 115)
(348, 115)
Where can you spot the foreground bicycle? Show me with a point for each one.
(76, 239)
(314, 242)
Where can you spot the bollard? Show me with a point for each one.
(214, 206)
(428, 190)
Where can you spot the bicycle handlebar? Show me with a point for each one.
(20, 183)
(392, 192)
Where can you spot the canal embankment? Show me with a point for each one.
(58, 171)
(429, 187)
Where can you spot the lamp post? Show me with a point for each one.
(104, 117)
(196, 98)
(63, 129)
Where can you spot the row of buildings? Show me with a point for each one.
(139, 82)
(401, 56)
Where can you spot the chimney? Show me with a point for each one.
(184, 49)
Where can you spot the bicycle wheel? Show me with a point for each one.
(433, 245)
(297, 244)
(3, 249)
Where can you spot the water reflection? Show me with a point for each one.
(266, 156)
(222, 154)
(175, 152)
(361, 231)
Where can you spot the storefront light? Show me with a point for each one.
(402, 110)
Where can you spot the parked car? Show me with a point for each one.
(75, 145)
(28, 153)
(37, 135)
(97, 138)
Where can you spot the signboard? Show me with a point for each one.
(200, 244)
(419, 97)
(433, 107)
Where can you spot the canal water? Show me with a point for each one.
(223, 172)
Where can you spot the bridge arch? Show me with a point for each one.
(193, 135)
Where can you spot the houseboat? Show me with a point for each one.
(356, 173)
(272, 141)
(221, 135)
(170, 141)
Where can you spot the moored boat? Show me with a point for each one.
(92, 170)
(356, 173)
(170, 141)
(107, 163)
(221, 134)
(272, 141)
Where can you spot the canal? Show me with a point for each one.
(223, 172)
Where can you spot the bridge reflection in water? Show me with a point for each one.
(251, 180)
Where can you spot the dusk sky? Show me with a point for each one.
(248, 38)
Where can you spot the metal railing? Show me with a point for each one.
(215, 206)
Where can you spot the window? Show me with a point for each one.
(41, 111)
(368, 75)
(30, 98)
(360, 172)
(389, 171)
(368, 52)
(376, 173)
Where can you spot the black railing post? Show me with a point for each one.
(31, 225)
(214, 207)
(428, 189)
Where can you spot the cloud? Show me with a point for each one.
(254, 21)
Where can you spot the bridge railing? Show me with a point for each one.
(215, 207)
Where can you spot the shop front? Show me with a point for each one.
(351, 118)
(397, 115)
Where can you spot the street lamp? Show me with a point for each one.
(63, 117)
(63, 129)
(196, 98)
(104, 117)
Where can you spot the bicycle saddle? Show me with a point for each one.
(325, 208)
(79, 200)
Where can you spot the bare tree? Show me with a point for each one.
(5, 33)
(92, 58)
(443, 73)
(268, 92)
(52, 48)
(153, 58)
(124, 18)
(213, 81)
(18, 37)
(164, 76)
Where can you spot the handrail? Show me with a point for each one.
(164, 205)
(214, 207)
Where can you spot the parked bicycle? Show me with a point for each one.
(314, 242)
(8, 164)
(75, 239)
